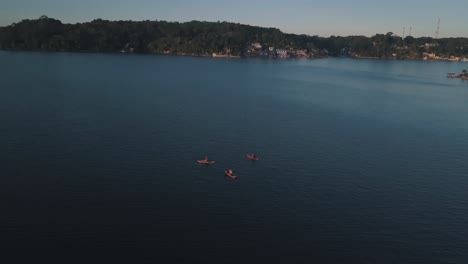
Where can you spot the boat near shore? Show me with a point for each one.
(453, 75)
(463, 75)
(219, 55)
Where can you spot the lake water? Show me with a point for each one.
(361, 161)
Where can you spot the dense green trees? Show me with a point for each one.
(202, 38)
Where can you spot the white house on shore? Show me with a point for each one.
(282, 53)
(256, 45)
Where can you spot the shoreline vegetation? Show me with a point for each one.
(218, 40)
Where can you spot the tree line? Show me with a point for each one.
(203, 38)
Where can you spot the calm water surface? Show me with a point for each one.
(362, 161)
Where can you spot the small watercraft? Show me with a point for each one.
(206, 161)
(252, 157)
(230, 174)
(453, 75)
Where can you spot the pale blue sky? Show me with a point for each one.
(323, 18)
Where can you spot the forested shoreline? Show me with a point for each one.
(221, 38)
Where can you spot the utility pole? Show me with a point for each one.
(403, 35)
(437, 30)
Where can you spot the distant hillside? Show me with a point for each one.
(205, 38)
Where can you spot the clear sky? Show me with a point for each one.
(323, 18)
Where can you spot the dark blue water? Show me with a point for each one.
(362, 161)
